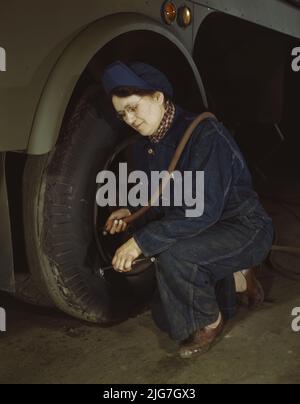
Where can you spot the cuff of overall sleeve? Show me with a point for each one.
(149, 243)
(139, 240)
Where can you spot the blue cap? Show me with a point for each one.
(137, 74)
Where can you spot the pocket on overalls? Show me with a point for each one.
(202, 277)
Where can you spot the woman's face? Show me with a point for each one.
(142, 113)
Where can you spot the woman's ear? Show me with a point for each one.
(159, 97)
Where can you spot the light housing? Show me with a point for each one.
(169, 12)
(184, 18)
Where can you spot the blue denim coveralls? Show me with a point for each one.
(197, 256)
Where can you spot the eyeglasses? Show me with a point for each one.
(129, 109)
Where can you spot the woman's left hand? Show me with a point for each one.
(128, 252)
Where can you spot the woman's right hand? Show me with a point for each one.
(114, 223)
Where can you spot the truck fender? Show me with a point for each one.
(69, 67)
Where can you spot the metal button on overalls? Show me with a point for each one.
(151, 151)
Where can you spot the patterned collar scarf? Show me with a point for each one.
(165, 124)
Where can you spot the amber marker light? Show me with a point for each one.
(169, 12)
(184, 16)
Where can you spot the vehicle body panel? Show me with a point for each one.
(278, 15)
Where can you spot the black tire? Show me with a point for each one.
(59, 200)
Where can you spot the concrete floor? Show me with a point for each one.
(45, 346)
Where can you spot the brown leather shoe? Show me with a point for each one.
(254, 292)
(201, 341)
